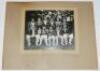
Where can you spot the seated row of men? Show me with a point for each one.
(49, 38)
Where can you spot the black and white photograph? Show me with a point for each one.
(49, 29)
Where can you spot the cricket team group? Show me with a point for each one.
(51, 29)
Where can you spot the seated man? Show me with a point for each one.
(44, 36)
(28, 39)
(51, 37)
(59, 36)
(65, 38)
(38, 36)
(70, 38)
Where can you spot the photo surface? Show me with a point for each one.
(49, 29)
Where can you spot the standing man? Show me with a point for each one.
(65, 34)
(39, 23)
(32, 23)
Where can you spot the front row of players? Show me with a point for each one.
(50, 39)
